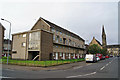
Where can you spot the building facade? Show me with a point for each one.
(7, 47)
(113, 50)
(95, 41)
(104, 42)
(57, 43)
(1, 39)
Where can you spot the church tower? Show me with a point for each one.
(103, 37)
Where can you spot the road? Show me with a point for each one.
(103, 69)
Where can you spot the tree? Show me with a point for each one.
(93, 49)
(103, 51)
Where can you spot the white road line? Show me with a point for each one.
(89, 64)
(102, 68)
(78, 67)
(4, 77)
(106, 64)
(81, 75)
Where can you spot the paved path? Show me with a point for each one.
(59, 67)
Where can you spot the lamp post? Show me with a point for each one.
(8, 38)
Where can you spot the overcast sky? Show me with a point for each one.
(83, 18)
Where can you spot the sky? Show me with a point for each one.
(82, 17)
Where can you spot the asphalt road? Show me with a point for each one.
(103, 69)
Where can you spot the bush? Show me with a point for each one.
(6, 57)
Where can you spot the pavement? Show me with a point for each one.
(58, 67)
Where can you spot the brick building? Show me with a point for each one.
(47, 41)
(2, 29)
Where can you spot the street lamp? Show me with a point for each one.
(9, 37)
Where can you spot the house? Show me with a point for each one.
(47, 41)
(113, 49)
(2, 29)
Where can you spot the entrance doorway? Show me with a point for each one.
(33, 54)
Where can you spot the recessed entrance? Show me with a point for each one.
(33, 55)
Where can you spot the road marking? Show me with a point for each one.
(4, 77)
(89, 64)
(102, 68)
(106, 64)
(78, 67)
(81, 75)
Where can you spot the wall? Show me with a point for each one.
(17, 46)
(41, 25)
(46, 45)
(1, 40)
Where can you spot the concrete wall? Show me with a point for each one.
(46, 45)
(41, 25)
(17, 46)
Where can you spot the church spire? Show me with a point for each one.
(103, 31)
(103, 37)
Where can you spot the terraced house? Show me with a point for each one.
(47, 41)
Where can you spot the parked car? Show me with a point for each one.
(90, 58)
(111, 55)
(97, 58)
(103, 57)
(99, 55)
(106, 56)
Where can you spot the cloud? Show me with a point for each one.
(83, 18)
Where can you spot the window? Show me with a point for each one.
(24, 35)
(53, 30)
(57, 46)
(54, 37)
(14, 51)
(69, 41)
(57, 31)
(57, 39)
(72, 54)
(61, 33)
(53, 54)
(23, 44)
(60, 39)
(64, 40)
(60, 54)
(66, 54)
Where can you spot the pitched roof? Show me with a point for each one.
(2, 26)
(98, 42)
(113, 46)
(52, 24)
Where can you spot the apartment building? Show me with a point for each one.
(113, 49)
(6, 47)
(2, 29)
(54, 43)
